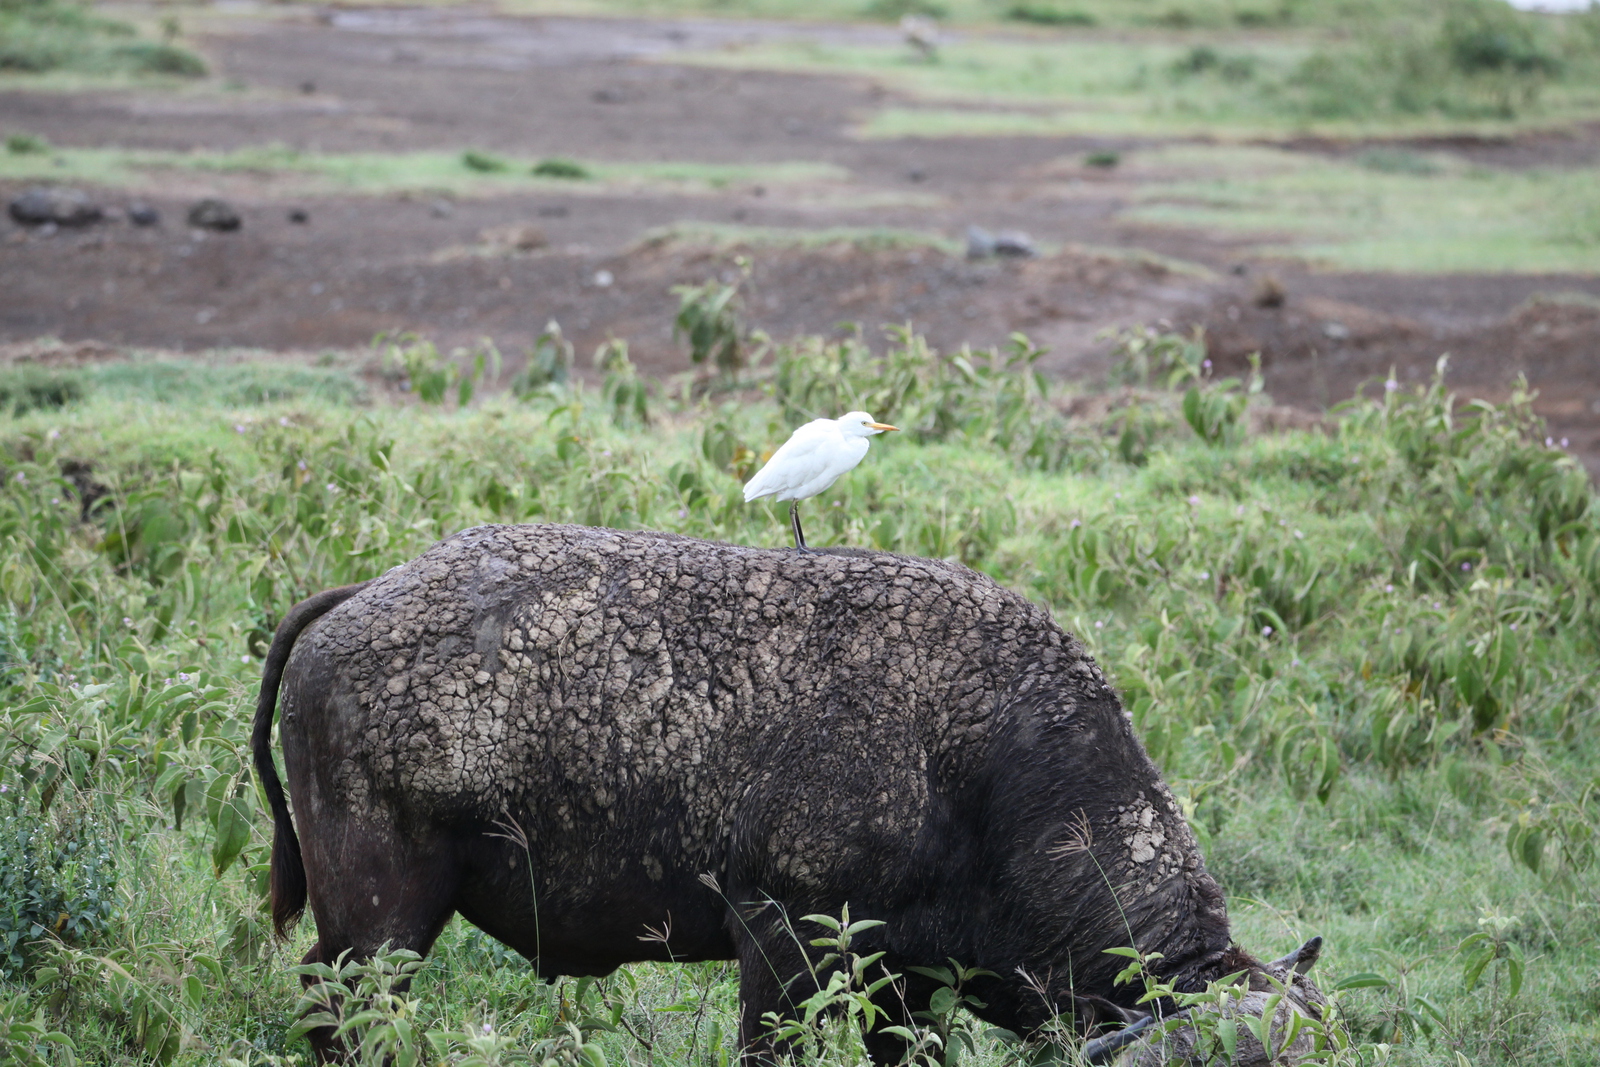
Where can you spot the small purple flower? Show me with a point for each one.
(302, 465)
(1466, 566)
(1116, 496)
(283, 420)
(1099, 625)
(1388, 589)
(1295, 662)
(1390, 386)
(683, 513)
(838, 503)
(1549, 442)
(1206, 575)
(21, 477)
(1194, 501)
(54, 435)
(331, 487)
(1206, 364)
(1563, 442)
(127, 621)
(182, 677)
(1239, 511)
(55, 500)
(1266, 631)
(1513, 627)
(239, 427)
(1075, 524)
(605, 452)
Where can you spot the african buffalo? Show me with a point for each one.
(809, 729)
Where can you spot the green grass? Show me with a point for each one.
(1382, 210)
(1380, 76)
(724, 236)
(1161, 14)
(1364, 661)
(44, 36)
(299, 173)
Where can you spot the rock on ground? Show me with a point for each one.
(55, 204)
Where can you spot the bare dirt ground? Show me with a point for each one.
(396, 80)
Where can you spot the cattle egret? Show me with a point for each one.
(812, 459)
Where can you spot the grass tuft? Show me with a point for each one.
(556, 167)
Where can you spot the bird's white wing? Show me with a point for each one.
(812, 459)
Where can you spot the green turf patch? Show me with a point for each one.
(471, 172)
(723, 236)
(1382, 209)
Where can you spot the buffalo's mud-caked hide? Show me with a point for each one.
(558, 732)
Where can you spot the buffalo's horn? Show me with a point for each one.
(1301, 959)
(1101, 1049)
(1113, 1009)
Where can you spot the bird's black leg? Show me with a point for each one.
(794, 521)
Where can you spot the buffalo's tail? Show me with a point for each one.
(288, 879)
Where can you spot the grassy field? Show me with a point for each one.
(1363, 659)
(1380, 208)
(1461, 65)
(288, 171)
(42, 36)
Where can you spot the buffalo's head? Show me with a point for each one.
(1223, 1027)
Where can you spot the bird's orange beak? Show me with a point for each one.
(881, 426)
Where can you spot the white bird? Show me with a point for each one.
(812, 459)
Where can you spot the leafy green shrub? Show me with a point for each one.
(25, 387)
(23, 1030)
(1481, 59)
(549, 365)
(991, 398)
(623, 390)
(556, 167)
(708, 319)
(1214, 409)
(1485, 37)
(1145, 356)
(1203, 59)
(58, 878)
(22, 144)
(894, 10)
(484, 162)
(1045, 14)
(421, 369)
(154, 57)
(44, 35)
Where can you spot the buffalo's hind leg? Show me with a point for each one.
(773, 978)
(374, 890)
